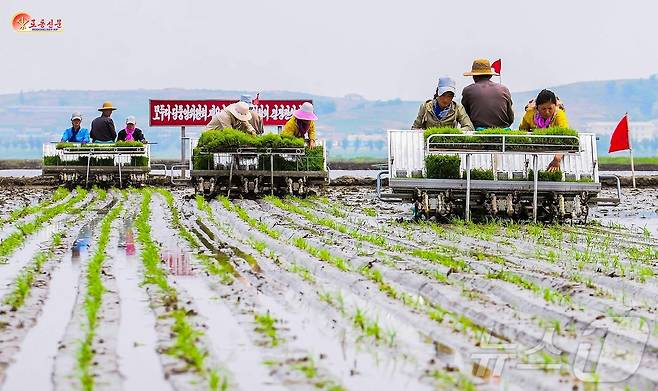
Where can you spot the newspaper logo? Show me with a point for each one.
(594, 359)
(22, 22)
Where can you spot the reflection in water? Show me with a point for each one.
(178, 262)
(130, 243)
(127, 237)
(81, 243)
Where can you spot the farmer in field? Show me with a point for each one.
(488, 104)
(76, 133)
(302, 124)
(545, 112)
(256, 120)
(442, 111)
(235, 116)
(131, 132)
(102, 128)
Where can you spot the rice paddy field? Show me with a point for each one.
(160, 289)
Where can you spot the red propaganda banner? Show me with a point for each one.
(167, 112)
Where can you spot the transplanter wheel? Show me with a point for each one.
(199, 185)
(417, 211)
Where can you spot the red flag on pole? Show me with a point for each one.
(620, 140)
(496, 65)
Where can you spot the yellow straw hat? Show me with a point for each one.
(481, 66)
(107, 105)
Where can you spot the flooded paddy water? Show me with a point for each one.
(159, 289)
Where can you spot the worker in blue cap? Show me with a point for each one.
(443, 111)
(76, 133)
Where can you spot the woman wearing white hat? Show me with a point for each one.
(131, 132)
(443, 111)
(301, 124)
(235, 116)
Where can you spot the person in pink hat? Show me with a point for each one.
(302, 124)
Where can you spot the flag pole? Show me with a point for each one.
(630, 150)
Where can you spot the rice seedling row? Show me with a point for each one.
(59, 194)
(520, 261)
(21, 309)
(458, 323)
(367, 327)
(185, 346)
(321, 282)
(527, 285)
(16, 239)
(93, 301)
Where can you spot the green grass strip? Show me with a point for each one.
(16, 239)
(59, 194)
(185, 346)
(150, 253)
(175, 219)
(548, 294)
(266, 325)
(379, 241)
(24, 281)
(228, 205)
(452, 380)
(94, 300)
(300, 243)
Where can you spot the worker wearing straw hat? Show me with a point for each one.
(302, 124)
(488, 104)
(234, 116)
(102, 128)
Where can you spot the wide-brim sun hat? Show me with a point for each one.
(446, 84)
(240, 110)
(107, 105)
(481, 67)
(131, 120)
(76, 115)
(305, 112)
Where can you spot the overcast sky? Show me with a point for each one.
(379, 49)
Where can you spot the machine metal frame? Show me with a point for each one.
(238, 163)
(408, 149)
(121, 170)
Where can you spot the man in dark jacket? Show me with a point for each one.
(131, 132)
(488, 104)
(102, 128)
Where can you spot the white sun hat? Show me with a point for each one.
(131, 120)
(240, 110)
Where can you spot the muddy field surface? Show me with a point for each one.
(158, 289)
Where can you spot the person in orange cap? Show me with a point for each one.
(102, 128)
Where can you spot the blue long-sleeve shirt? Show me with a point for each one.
(82, 136)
